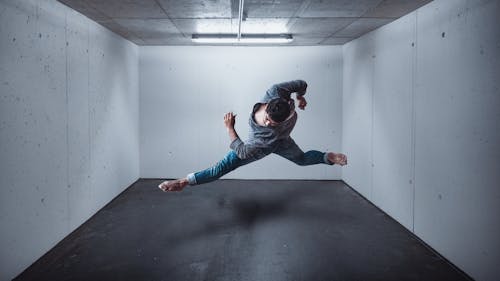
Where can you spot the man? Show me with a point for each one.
(271, 123)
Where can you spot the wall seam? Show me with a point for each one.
(67, 187)
(88, 113)
(342, 114)
(413, 113)
(372, 164)
(138, 91)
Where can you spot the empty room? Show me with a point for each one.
(250, 140)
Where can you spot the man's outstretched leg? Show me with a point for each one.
(291, 151)
(230, 162)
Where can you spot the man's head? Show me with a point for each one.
(278, 110)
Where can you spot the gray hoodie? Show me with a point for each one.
(264, 140)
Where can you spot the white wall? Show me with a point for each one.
(68, 125)
(421, 127)
(185, 92)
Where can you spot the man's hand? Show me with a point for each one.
(302, 102)
(229, 120)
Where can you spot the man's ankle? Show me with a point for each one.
(330, 157)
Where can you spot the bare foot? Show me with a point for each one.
(337, 158)
(174, 185)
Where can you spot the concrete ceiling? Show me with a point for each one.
(311, 22)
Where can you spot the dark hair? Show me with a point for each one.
(278, 109)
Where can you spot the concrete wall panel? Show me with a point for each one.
(357, 111)
(46, 176)
(457, 199)
(33, 139)
(435, 119)
(113, 113)
(79, 200)
(393, 119)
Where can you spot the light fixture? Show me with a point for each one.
(243, 39)
(240, 38)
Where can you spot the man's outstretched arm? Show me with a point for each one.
(229, 120)
(285, 89)
(243, 150)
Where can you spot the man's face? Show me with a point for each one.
(268, 121)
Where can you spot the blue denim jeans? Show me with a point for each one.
(231, 161)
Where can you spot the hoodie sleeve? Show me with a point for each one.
(285, 89)
(245, 151)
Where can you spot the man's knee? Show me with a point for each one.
(300, 160)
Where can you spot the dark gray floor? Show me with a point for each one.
(241, 230)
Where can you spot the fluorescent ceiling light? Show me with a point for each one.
(245, 38)
(239, 38)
